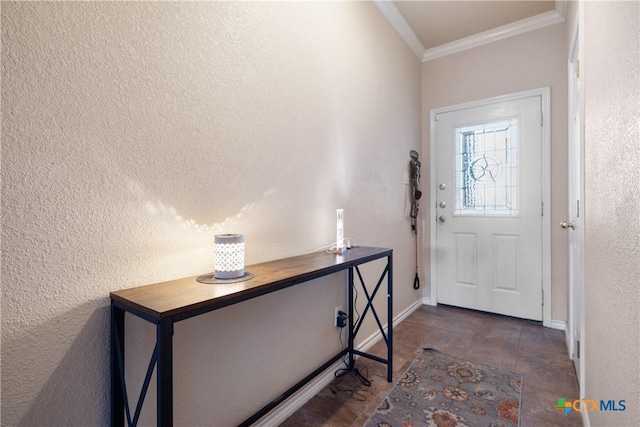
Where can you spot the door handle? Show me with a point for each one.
(567, 224)
(442, 218)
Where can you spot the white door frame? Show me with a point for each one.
(545, 94)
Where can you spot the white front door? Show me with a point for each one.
(489, 207)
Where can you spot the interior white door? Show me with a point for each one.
(489, 207)
(574, 222)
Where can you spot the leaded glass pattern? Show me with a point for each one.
(486, 169)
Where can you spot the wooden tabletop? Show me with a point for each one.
(184, 298)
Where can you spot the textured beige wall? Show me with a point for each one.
(133, 132)
(611, 55)
(528, 61)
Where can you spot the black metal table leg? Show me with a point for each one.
(390, 318)
(164, 373)
(370, 296)
(351, 360)
(117, 366)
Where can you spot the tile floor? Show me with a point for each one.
(539, 353)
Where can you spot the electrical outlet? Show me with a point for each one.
(335, 315)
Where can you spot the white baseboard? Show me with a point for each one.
(302, 396)
(560, 325)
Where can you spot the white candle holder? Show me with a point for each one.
(229, 260)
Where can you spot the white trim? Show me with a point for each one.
(398, 22)
(561, 8)
(545, 94)
(532, 23)
(302, 396)
(524, 25)
(427, 301)
(560, 325)
(433, 244)
(406, 312)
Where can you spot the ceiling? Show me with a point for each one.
(436, 28)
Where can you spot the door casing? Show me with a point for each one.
(545, 95)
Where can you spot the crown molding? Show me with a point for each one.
(524, 25)
(536, 22)
(398, 22)
(561, 8)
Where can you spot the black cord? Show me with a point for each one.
(355, 304)
(355, 392)
(342, 346)
(356, 372)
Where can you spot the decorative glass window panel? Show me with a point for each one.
(486, 169)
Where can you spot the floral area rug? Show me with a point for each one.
(439, 390)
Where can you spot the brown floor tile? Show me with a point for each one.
(559, 381)
(543, 356)
(448, 341)
(550, 339)
(540, 404)
(499, 353)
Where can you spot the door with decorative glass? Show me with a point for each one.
(489, 207)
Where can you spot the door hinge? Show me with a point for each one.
(577, 208)
(578, 349)
(541, 208)
(577, 68)
(542, 295)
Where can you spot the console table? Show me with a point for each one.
(166, 303)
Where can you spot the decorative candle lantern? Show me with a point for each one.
(229, 253)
